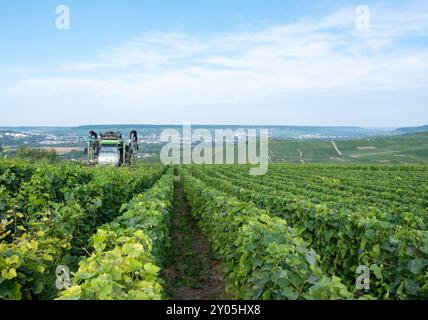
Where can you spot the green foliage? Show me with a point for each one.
(299, 232)
(124, 272)
(14, 173)
(55, 211)
(128, 251)
(34, 154)
(262, 256)
(24, 264)
(390, 236)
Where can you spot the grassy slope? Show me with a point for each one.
(398, 149)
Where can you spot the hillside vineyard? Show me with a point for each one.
(299, 232)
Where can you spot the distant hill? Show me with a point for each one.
(276, 132)
(412, 129)
(298, 144)
(399, 149)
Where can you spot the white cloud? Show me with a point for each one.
(241, 69)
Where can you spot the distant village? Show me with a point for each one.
(65, 141)
(13, 139)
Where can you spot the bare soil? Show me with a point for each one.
(190, 273)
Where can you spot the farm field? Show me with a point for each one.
(153, 232)
(49, 214)
(400, 149)
(411, 148)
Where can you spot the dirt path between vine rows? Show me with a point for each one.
(190, 273)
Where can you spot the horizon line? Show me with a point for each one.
(210, 125)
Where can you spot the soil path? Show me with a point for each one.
(190, 273)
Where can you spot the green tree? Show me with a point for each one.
(35, 154)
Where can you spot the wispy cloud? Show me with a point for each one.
(326, 54)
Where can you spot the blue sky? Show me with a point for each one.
(214, 62)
